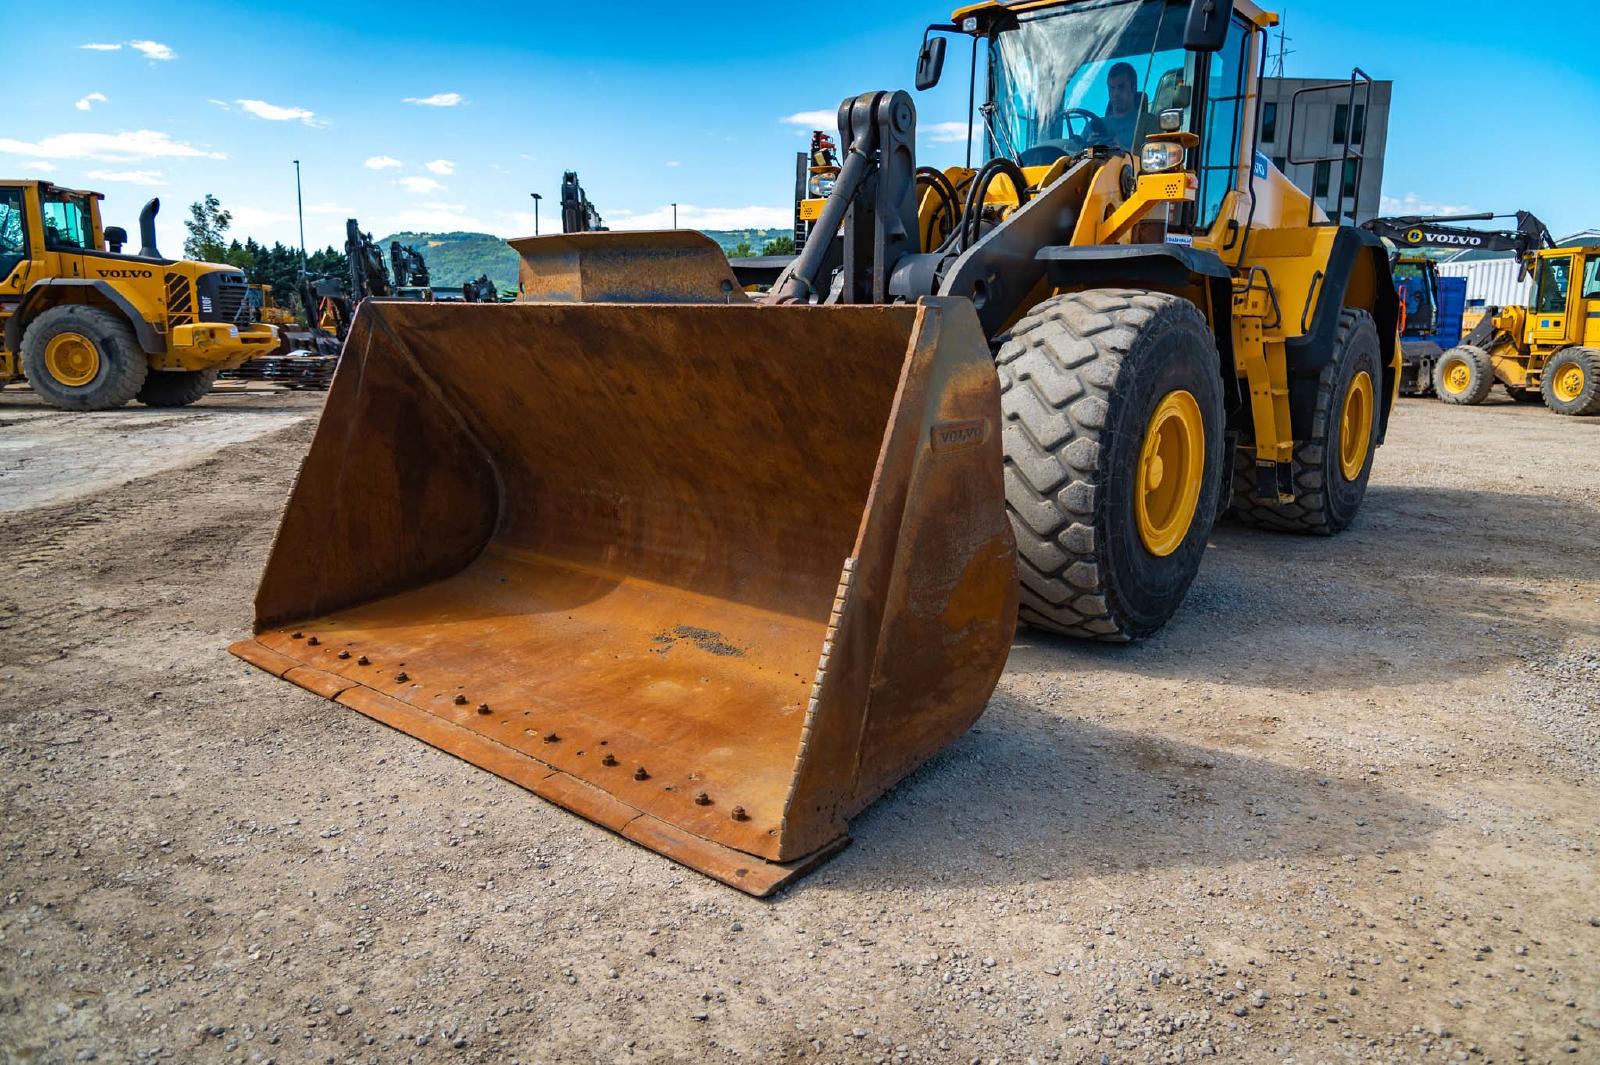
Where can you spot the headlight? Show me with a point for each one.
(1160, 155)
(819, 186)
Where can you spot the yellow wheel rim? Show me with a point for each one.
(1568, 384)
(1457, 377)
(1355, 426)
(72, 359)
(1171, 465)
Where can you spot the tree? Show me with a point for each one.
(208, 231)
(741, 250)
(779, 246)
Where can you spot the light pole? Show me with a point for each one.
(674, 216)
(300, 208)
(536, 199)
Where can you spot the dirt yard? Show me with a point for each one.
(1343, 809)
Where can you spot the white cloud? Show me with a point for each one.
(130, 177)
(442, 167)
(435, 218)
(812, 119)
(692, 217)
(153, 50)
(220, 103)
(383, 162)
(90, 100)
(41, 166)
(438, 99)
(421, 185)
(102, 47)
(673, 163)
(944, 132)
(1411, 203)
(124, 147)
(275, 113)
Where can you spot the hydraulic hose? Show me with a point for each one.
(978, 191)
(950, 203)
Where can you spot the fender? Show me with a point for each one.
(1308, 354)
(149, 339)
(1171, 267)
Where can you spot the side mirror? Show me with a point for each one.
(116, 237)
(930, 61)
(1207, 28)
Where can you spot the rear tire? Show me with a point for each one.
(1571, 381)
(83, 358)
(1104, 457)
(1463, 376)
(176, 388)
(1331, 467)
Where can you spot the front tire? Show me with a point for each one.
(1332, 466)
(1571, 381)
(1463, 376)
(1112, 404)
(176, 388)
(83, 358)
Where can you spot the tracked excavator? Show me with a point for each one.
(716, 572)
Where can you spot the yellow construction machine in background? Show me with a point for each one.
(716, 572)
(1549, 350)
(91, 327)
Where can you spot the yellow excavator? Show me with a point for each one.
(92, 327)
(716, 572)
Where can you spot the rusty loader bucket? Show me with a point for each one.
(714, 577)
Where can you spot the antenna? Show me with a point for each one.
(1283, 48)
(300, 209)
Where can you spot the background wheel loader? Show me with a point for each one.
(716, 573)
(1549, 350)
(91, 327)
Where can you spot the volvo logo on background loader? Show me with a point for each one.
(125, 273)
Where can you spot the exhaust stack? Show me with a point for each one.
(147, 229)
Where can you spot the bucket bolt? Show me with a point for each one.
(461, 700)
(738, 814)
(640, 774)
(401, 677)
(483, 708)
(313, 641)
(551, 737)
(344, 654)
(296, 635)
(702, 799)
(363, 661)
(609, 759)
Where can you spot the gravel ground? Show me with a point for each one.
(1342, 809)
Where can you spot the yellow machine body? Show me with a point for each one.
(53, 253)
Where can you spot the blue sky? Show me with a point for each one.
(433, 116)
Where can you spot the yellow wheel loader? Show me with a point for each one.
(716, 572)
(1548, 350)
(92, 327)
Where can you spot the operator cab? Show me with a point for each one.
(1105, 76)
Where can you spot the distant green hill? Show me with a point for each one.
(455, 258)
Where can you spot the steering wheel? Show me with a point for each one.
(1090, 129)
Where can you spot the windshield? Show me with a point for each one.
(1092, 74)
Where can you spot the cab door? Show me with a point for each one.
(1550, 321)
(15, 263)
(1589, 307)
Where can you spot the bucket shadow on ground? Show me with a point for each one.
(1029, 796)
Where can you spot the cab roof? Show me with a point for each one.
(50, 186)
(1247, 8)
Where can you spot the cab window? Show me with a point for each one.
(1591, 278)
(1553, 279)
(13, 233)
(1221, 127)
(66, 222)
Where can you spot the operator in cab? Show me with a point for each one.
(1124, 117)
